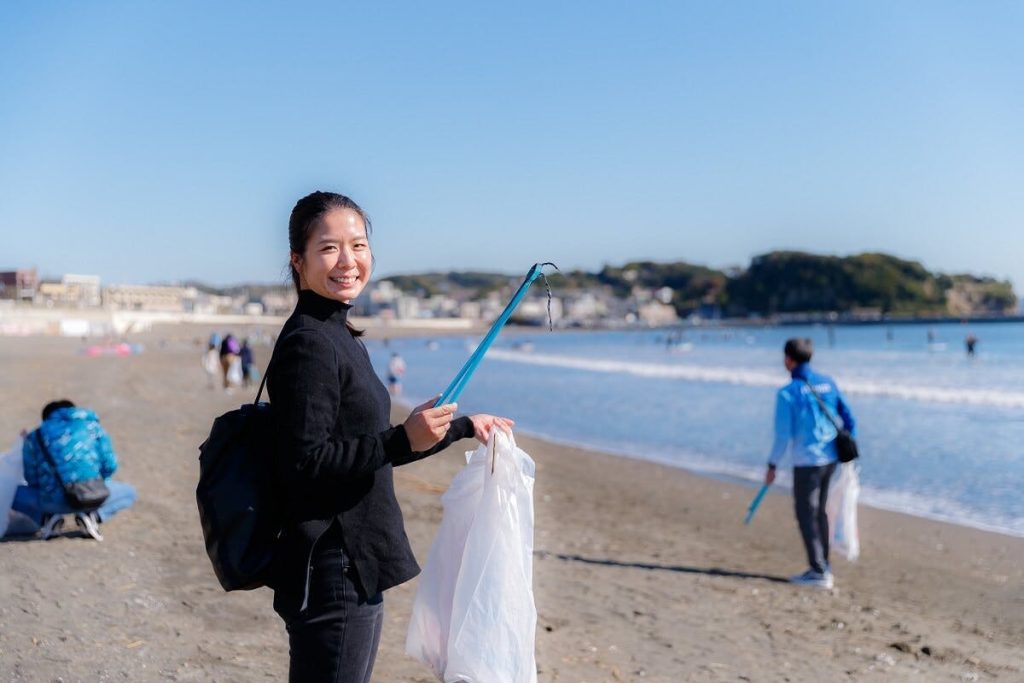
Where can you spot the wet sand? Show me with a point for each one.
(642, 573)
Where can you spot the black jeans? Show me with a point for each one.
(810, 494)
(335, 638)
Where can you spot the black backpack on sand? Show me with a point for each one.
(238, 507)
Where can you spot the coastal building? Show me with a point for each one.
(657, 314)
(19, 285)
(72, 291)
(406, 307)
(534, 310)
(151, 298)
(279, 303)
(83, 290)
(586, 309)
(470, 310)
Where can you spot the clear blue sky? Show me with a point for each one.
(149, 142)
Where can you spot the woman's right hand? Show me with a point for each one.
(427, 425)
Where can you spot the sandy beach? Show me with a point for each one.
(642, 572)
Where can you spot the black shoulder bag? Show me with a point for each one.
(81, 495)
(846, 445)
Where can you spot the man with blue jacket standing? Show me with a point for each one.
(802, 426)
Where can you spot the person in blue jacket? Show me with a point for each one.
(802, 428)
(81, 450)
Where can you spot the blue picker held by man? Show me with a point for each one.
(802, 426)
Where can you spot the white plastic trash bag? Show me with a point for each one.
(12, 474)
(842, 512)
(474, 617)
(211, 362)
(235, 372)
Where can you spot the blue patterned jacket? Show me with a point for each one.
(78, 445)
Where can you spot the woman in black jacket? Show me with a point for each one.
(344, 541)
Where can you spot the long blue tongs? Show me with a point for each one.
(451, 394)
(754, 504)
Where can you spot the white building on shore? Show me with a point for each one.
(155, 298)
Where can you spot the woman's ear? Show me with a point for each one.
(296, 263)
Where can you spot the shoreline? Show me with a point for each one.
(641, 572)
(753, 485)
(865, 499)
(97, 323)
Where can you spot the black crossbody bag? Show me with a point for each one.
(846, 445)
(81, 495)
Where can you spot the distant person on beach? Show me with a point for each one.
(343, 542)
(801, 427)
(81, 450)
(211, 360)
(396, 368)
(229, 350)
(969, 343)
(245, 356)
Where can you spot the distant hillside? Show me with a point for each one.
(779, 282)
(474, 283)
(797, 282)
(692, 285)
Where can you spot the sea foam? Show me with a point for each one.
(701, 373)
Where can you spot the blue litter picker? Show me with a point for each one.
(754, 504)
(451, 394)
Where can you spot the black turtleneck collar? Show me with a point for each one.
(321, 307)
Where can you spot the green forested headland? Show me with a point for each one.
(779, 282)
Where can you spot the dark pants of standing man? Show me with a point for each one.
(810, 493)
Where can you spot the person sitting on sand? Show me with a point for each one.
(799, 421)
(81, 449)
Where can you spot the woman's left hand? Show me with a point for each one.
(483, 424)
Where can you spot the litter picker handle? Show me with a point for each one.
(754, 504)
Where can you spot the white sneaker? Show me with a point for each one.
(89, 523)
(813, 579)
(52, 524)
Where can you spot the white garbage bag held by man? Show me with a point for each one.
(842, 512)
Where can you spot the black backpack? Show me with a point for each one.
(238, 508)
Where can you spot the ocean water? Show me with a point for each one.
(941, 434)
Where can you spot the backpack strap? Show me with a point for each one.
(264, 382)
(49, 458)
(266, 373)
(825, 409)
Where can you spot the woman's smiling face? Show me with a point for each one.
(337, 261)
